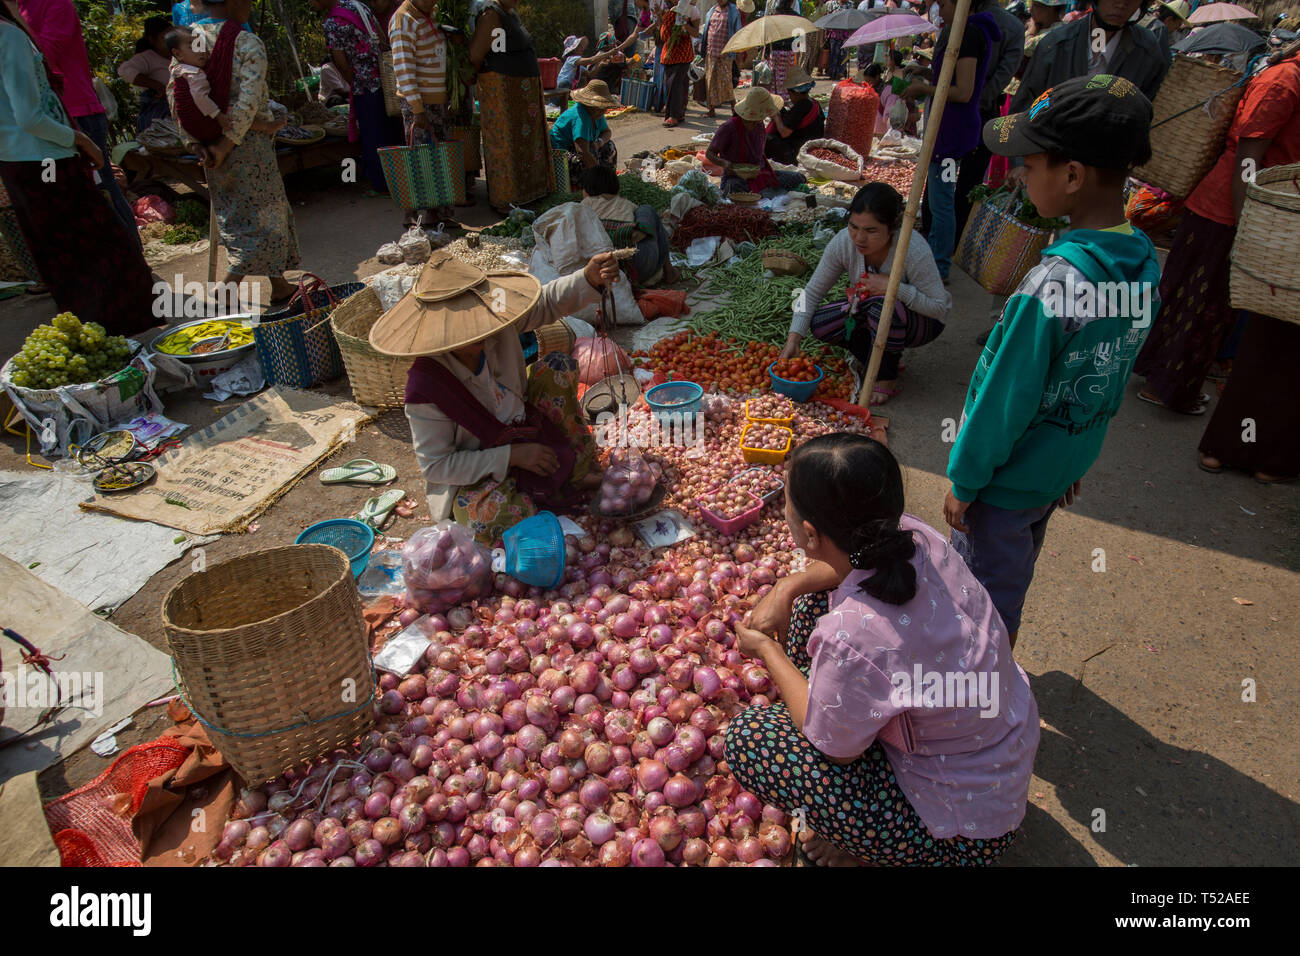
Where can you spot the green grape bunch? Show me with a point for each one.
(68, 352)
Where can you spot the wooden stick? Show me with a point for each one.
(914, 198)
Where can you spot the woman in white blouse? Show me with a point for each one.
(864, 251)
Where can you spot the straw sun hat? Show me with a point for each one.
(758, 104)
(795, 77)
(596, 94)
(451, 305)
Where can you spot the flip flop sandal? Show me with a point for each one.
(377, 511)
(1272, 480)
(888, 393)
(1199, 408)
(1200, 463)
(361, 471)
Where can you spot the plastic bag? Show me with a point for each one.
(390, 254)
(443, 566)
(438, 237)
(390, 287)
(628, 483)
(415, 246)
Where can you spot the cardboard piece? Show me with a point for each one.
(224, 476)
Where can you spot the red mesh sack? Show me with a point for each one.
(92, 824)
(851, 115)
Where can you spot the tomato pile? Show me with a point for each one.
(797, 369)
(769, 406)
(729, 501)
(767, 437)
(717, 363)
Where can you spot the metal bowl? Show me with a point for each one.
(206, 364)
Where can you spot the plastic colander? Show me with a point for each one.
(535, 551)
(350, 536)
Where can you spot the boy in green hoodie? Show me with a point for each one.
(1054, 370)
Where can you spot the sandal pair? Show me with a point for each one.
(359, 471)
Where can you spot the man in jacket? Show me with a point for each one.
(1104, 42)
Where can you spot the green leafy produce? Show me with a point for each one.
(1024, 210)
(182, 235)
(635, 189)
(191, 212)
(66, 352)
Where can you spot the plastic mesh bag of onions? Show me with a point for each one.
(629, 482)
(444, 566)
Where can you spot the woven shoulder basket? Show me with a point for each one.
(1264, 277)
(783, 262)
(1192, 113)
(376, 379)
(996, 249)
(277, 675)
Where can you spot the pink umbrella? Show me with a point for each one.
(889, 27)
(1219, 12)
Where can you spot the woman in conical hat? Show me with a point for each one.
(495, 443)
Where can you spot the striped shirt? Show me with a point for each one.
(419, 57)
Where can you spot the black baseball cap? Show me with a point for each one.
(1102, 121)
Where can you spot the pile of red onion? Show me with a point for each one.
(578, 727)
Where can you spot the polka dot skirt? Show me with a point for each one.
(858, 807)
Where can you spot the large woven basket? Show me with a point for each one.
(377, 379)
(555, 337)
(271, 654)
(1264, 277)
(1192, 113)
(996, 249)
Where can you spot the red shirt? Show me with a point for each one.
(1269, 110)
(58, 33)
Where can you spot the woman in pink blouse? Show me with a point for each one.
(907, 733)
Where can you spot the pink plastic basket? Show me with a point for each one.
(732, 525)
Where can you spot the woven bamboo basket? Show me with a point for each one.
(1192, 113)
(377, 379)
(278, 675)
(744, 199)
(783, 262)
(1263, 277)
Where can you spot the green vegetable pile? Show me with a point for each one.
(191, 212)
(630, 186)
(182, 235)
(642, 193)
(1024, 210)
(758, 308)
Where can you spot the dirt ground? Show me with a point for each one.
(1149, 754)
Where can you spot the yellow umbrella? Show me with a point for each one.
(769, 30)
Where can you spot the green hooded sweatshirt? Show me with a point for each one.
(1055, 369)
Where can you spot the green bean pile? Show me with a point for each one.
(758, 308)
(641, 193)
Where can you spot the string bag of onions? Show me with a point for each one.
(628, 483)
(444, 566)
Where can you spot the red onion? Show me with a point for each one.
(545, 829)
(652, 774)
(368, 853)
(666, 830)
(599, 828)
(647, 853)
(695, 852)
(594, 794)
(679, 791)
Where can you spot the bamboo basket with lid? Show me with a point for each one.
(1263, 277)
(277, 675)
(1189, 126)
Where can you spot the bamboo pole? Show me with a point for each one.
(932, 120)
(212, 238)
